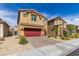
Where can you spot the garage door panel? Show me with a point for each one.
(32, 32)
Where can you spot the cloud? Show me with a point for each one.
(75, 21)
(49, 16)
(53, 16)
(72, 19)
(46, 14)
(9, 16)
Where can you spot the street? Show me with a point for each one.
(74, 53)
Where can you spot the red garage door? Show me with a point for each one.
(32, 32)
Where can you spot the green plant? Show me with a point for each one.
(65, 38)
(49, 36)
(55, 30)
(72, 36)
(65, 33)
(52, 35)
(71, 28)
(23, 40)
(60, 35)
(55, 36)
(76, 36)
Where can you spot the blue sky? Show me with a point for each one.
(69, 12)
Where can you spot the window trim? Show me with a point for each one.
(24, 14)
(33, 19)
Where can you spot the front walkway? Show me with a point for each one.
(41, 41)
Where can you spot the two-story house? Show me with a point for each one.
(31, 23)
(56, 26)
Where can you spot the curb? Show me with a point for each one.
(69, 51)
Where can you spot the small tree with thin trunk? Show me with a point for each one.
(55, 30)
(71, 28)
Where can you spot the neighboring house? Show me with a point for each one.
(56, 26)
(15, 30)
(4, 29)
(31, 23)
(11, 31)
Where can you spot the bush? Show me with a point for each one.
(76, 36)
(66, 33)
(65, 38)
(52, 35)
(55, 36)
(49, 36)
(23, 40)
(72, 36)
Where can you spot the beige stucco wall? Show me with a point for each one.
(58, 22)
(1, 30)
(20, 31)
(27, 19)
(6, 31)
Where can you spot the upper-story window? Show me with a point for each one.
(33, 17)
(24, 14)
(50, 23)
(45, 19)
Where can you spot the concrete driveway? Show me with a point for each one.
(41, 41)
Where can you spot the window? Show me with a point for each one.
(33, 17)
(50, 23)
(24, 14)
(45, 19)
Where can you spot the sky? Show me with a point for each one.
(68, 11)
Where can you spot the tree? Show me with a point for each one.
(71, 28)
(55, 30)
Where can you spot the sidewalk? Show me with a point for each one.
(60, 49)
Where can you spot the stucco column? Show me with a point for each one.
(42, 32)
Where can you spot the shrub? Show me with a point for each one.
(66, 33)
(23, 40)
(49, 36)
(76, 36)
(55, 36)
(52, 35)
(60, 35)
(72, 36)
(65, 38)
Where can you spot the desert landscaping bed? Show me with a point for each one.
(11, 45)
(62, 40)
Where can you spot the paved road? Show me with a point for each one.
(74, 53)
(41, 41)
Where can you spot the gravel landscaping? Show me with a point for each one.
(11, 45)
